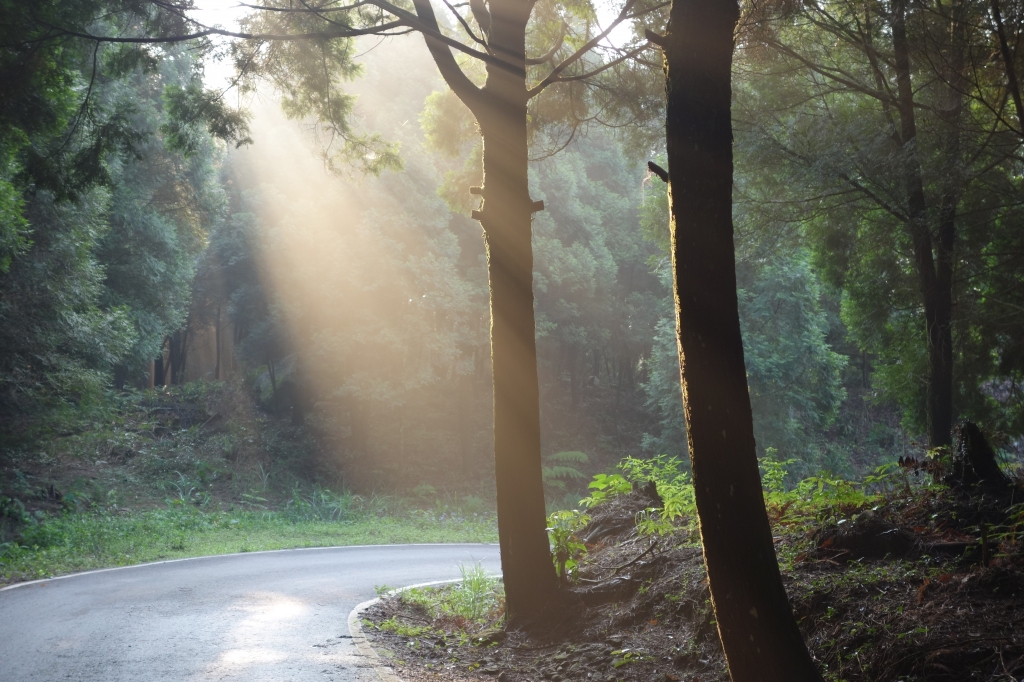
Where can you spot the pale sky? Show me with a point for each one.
(226, 14)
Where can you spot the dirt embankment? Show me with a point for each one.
(908, 590)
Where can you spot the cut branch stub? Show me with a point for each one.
(658, 170)
(476, 190)
(655, 38)
(479, 214)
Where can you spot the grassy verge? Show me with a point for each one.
(84, 541)
(195, 470)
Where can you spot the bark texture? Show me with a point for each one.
(760, 637)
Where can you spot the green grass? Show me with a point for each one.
(478, 599)
(83, 541)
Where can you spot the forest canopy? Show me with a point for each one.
(333, 264)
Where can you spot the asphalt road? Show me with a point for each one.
(278, 616)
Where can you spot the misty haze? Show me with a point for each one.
(511, 340)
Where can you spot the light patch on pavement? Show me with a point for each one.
(245, 657)
(271, 607)
(262, 637)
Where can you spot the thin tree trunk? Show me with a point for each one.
(120, 377)
(941, 332)
(760, 637)
(273, 378)
(177, 344)
(935, 283)
(159, 373)
(1012, 84)
(531, 585)
(530, 581)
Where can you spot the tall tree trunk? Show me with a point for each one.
(506, 215)
(759, 634)
(940, 341)
(177, 344)
(934, 279)
(159, 371)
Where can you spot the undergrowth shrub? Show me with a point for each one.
(477, 595)
(477, 600)
(567, 550)
(823, 497)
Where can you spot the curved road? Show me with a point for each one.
(274, 616)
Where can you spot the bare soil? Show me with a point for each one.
(904, 591)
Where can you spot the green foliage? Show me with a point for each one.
(189, 107)
(821, 162)
(831, 495)
(447, 124)
(773, 471)
(793, 374)
(558, 469)
(821, 497)
(567, 549)
(1010, 536)
(595, 296)
(162, 208)
(88, 540)
(476, 596)
(604, 487)
(310, 75)
(14, 228)
(400, 627)
(320, 504)
(673, 483)
(475, 600)
(827, 498)
(664, 393)
(101, 216)
(56, 342)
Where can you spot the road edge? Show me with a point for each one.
(65, 576)
(355, 629)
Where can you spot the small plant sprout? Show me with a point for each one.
(566, 548)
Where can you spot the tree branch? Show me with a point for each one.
(583, 76)
(1011, 73)
(205, 32)
(832, 74)
(534, 61)
(404, 19)
(465, 25)
(450, 70)
(587, 47)
(308, 10)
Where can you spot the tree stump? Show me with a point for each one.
(974, 465)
